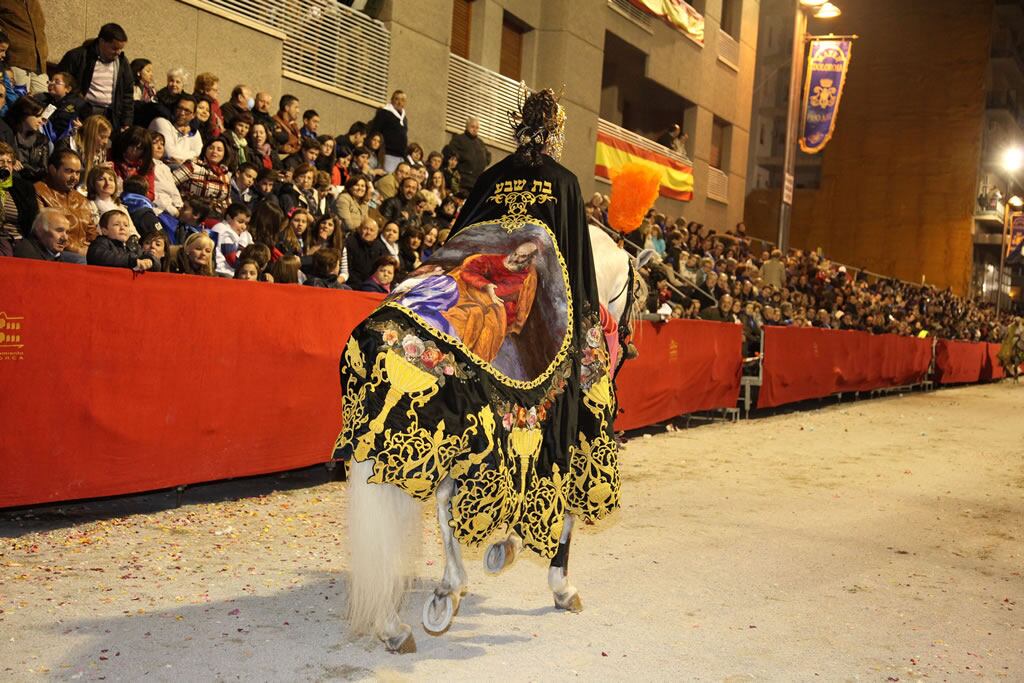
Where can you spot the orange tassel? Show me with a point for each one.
(634, 189)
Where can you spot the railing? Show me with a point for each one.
(640, 141)
(728, 50)
(718, 185)
(327, 43)
(632, 13)
(485, 94)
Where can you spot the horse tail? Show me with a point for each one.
(384, 540)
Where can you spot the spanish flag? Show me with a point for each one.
(676, 178)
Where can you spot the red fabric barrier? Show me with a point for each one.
(684, 366)
(957, 362)
(118, 384)
(803, 363)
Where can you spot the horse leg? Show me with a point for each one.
(382, 535)
(443, 605)
(501, 555)
(566, 595)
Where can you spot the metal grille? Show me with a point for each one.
(640, 141)
(326, 42)
(633, 13)
(718, 185)
(485, 94)
(728, 50)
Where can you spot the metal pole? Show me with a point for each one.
(1002, 255)
(792, 122)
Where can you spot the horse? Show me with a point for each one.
(383, 520)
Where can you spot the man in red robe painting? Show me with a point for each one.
(496, 293)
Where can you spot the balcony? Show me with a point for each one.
(1006, 107)
(718, 185)
(728, 50)
(640, 141)
(633, 14)
(476, 91)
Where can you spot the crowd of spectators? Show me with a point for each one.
(101, 164)
(696, 272)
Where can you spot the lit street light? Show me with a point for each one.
(821, 9)
(1013, 159)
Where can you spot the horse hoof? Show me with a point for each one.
(500, 556)
(403, 643)
(570, 604)
(438, 612)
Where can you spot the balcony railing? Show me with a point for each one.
(728, 50)
(640, 141)
(632, 13)
(326, 43)
(485, 94)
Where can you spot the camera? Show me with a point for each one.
(5, 173)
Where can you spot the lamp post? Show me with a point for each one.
(822, 10)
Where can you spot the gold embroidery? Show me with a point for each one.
(404, 378)
(514, 195)
(592, 486)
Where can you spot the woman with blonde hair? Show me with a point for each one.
(195, 257)
(92, 142)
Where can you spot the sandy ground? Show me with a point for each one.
(878, 540)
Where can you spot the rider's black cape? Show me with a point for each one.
(489, 365)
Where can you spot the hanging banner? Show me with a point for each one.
(826, 75)
(1015, 241)
(612, 152)
(677, 14)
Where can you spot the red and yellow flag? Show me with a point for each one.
(613, 153)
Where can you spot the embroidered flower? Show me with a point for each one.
(390, 336)
(590, 356)
(531, 418)
(507, 421)
(521, 416)
(412, 346)
(431, 357)
(448, 369)
(594, 337)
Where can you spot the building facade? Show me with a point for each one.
(617, 66)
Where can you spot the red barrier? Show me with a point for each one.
(803, 363)
(117, 384)
(958, 362)
(684, 366)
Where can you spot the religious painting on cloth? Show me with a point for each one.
(489, 365)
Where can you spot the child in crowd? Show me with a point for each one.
(191, 217)
(111, 248)
(232, 235)
(247, 270)
(141, 208)
(293, 238)
(242, 182)
(261, 255)
(286, 270)
(326, 270)
(195, 257)
(70, 108)
(155, 243)
(323, 234)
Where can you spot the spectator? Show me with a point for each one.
(25, 27)
(47, 239)
(355, 138)
(434, 162)
(260, 254)
(285, 120)
(156, 244)
(101, 190)
(326, 270)
(60, 191)
(145, 89)
(286, 270)
(207, 89)
(30, 144)
(310, 124)
(241, 101)
(181, 142)
(450, 168)
(132, 154)
(387, 186)
(299, 192)
(722, 312)
(292, 239)
(232, 236)
(242, 182)
(414, 154)
(194, 257)
(353, 205)
(203, 121)
(409, 250)
(165, 190)
(435, 185)
(364, 249)
(113, 249)
(92, 142)
(167, 96)
(472, 154)
(104, 75)
(383, 275)
(207, 178)
(140, 208)
(247, 270)
(264, 189)
(390, 235)
(308, 153)
(18, 201)
(324, 235)
(375, 145)
(429, 242)
(360, 163)
(238, 129)
(393, 124)
(70, 108)
(260, 146)
(773, 272)
(400, 208)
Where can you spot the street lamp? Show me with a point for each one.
(822, 9)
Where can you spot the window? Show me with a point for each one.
(462, 16)
(732, 12)
(720, 138)
(512, 31)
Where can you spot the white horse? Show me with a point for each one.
(383, 520)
